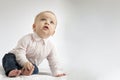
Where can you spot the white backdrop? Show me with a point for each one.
(92, 34)
(87, 35)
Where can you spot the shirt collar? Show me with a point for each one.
(37, 38)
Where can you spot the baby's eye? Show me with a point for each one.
(52, 22)
(43, 19)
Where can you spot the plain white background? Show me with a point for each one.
(87, 35)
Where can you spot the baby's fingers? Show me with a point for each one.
(59, 75)
(31, 71)
(27, 72)
(29, 66)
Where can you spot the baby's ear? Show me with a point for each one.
(34, 26)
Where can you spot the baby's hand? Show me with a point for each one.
(27, 69)
(27, 72)
(60, 75)
(28, 66)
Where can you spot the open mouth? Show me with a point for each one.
(45, 27)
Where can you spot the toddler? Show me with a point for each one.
(33, 48)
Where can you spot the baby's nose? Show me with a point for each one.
(47, 22)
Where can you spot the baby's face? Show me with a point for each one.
(45, 25)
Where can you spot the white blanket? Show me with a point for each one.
(43, 75)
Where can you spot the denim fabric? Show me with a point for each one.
(9, 63)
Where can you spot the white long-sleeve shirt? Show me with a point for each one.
(34, 49)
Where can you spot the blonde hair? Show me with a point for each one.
(43, 13)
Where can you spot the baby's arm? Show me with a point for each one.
(20, 52)
(54, 64)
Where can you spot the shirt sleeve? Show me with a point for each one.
(20, 51)
(54, 63)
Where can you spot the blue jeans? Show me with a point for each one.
(9, 63)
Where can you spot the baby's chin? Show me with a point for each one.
(44, 34)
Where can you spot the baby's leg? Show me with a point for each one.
(14, 73)
(10, 65)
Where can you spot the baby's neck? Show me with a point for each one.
(44, 37)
